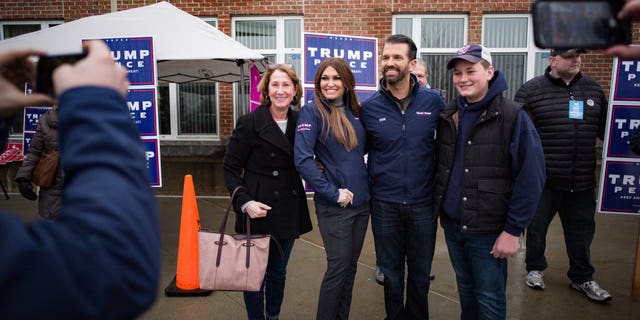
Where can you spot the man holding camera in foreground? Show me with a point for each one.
(101, 258)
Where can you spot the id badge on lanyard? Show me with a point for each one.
(576, 109)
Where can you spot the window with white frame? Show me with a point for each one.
(189, 110)
(277, 38)
(438, 37)
(509, 38)
(10, 29)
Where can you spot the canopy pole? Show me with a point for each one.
(242, 103)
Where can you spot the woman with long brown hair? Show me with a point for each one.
(329, 131)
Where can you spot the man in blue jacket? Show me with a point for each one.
(101, 258)
(489, 179)
(400, 120)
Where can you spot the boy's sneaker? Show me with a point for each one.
(534, 280)
(592, 290)
(379, 276)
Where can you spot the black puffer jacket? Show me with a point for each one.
(569, 144)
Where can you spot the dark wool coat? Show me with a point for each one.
(259, 157)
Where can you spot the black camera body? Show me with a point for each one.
(46, 65)
(589, 24)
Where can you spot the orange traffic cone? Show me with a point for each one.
(187, 282)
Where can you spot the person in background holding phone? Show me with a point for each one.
(489, 178)
(569, 110)
(101, 258)
(44, 140)
(329, 131)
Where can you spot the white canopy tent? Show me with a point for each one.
(187, 49)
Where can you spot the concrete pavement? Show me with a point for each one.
(613, 253)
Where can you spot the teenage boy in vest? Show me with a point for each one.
(569, 110)
(490, 174)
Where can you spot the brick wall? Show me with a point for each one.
(367, 18)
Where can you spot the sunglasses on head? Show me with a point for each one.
(277, 65)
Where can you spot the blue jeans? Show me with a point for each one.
(273, 285)
(481, 278)
(576, 211)
(343, 231)
(404, 233)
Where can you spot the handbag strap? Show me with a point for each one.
(223, 224)
(248, 243)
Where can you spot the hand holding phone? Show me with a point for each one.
(98, 69)
(630, 11)
(46, 65)
(589, 24)
(16, 68)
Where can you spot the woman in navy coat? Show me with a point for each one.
(329, 132)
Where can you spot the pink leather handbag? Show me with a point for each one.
(232, 262)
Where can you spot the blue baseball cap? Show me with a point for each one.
(472, 52)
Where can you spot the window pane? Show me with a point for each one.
(257, 34)
(13, 30)
(270, 57)
(437, 74)
(442, 33)
(404, 26)
(542, 62)
(164, 109)
(197, 109)
(513, 67)
(213, 23)
(294, 60)
(505, 32)
(292, 34)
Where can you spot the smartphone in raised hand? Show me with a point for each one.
(45, 67)
(589, 24)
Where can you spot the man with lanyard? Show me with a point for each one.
(569, 110)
